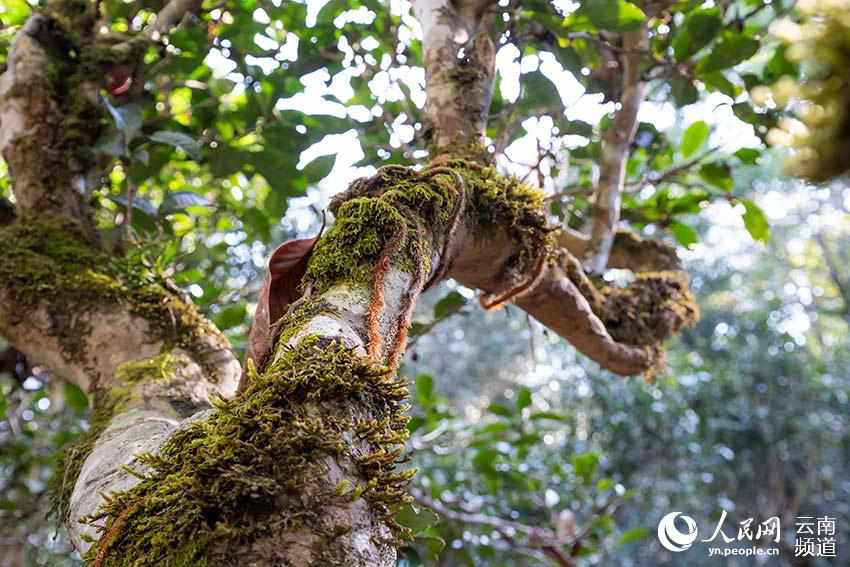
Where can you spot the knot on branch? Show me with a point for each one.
(651, 309)
(630, 251)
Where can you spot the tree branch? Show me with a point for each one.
(460, 61)
(543, 539)
(615, 153)
(838, 281)
(31, 136)
(171, 15)
(656, 178)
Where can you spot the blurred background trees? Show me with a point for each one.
(255, 114)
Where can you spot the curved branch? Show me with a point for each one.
(615, 153)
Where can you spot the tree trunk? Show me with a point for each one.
(301, 468)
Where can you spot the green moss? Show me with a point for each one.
(158, 367)
(370, 215)
(241, 475)
(372, 212)
(472, 152)
(294, 322)
(50, 263)
(496, 202)
(651, 309)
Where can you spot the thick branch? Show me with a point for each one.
(628, 251)
(519, 260)
(616, 141)
(459, 70)
(31, 127)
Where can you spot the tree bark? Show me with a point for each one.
(302, 467)
(616, 142)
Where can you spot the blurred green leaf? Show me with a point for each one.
(748, 156)
(523, 399)
(633, 535)
(14, 12)
(755, 221)
(698, 30)
(694, 138)
(731, 48)
(425, 389)
(499, 409)
(75, 398)
(230, 316)
(178, 140)
(179, 201)
(613, 15)
(585, 465)
(416, 518)
(683, 90)
(452, 302)
(685, 235)
(718, 174)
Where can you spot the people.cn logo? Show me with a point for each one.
(670, 536)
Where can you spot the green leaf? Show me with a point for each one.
(748, 114)
(697, 31)
(612, 15)
(523, 399)
(718, 174)
(694, 138)
(417, 519)
(501, 410)
(539, 92)
(431, 546)
(755, 221)
(13, 12)
(257, 224)
(230, 317)
(717, 81)
(178, 140)
(684, 234)
(425, 389)
(75, 398)
(179, 201)
(585, 465)
(546, 415)
(484, 459)
(633, 535)
(128, 119)
(683, 90)
(748, 156)
(731, 49)
(452, 302)
(111, 143)
(139, 204)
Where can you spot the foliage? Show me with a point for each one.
(240, 125)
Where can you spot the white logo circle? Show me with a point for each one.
(671, 538)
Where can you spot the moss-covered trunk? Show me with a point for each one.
(304, 466)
